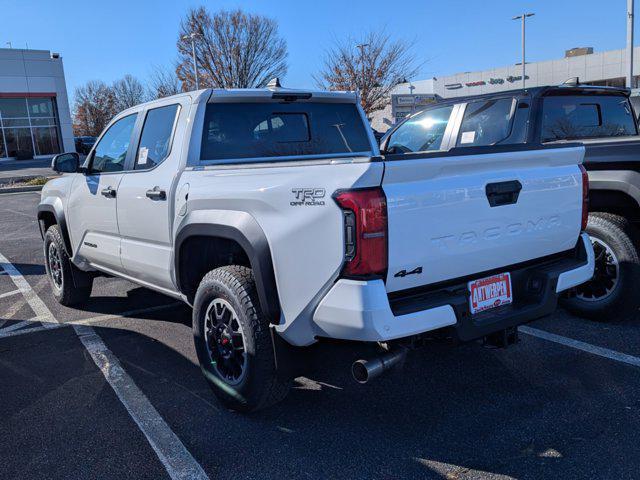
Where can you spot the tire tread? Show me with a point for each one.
(240, 281)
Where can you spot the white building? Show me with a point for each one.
(603, 68)
(34, 108)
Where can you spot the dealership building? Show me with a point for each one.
(601, 68)
(35, 120)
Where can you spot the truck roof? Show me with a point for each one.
(566, 89)
(280, 92)
(250, 94)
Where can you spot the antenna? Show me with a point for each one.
(274, 83)
(573, 81)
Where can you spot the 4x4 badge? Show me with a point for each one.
(404, 273)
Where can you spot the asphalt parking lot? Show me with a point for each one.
(117, 393)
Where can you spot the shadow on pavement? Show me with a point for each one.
(529, 412)
(28, 269)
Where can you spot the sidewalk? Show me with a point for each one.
(13, 170)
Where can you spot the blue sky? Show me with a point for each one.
(107, 39)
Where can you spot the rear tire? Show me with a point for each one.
(611, 294)
(233, 341)
(61, 271)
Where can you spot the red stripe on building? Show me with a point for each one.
(27, 95)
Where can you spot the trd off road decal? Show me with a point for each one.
(308, 197)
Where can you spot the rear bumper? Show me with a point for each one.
(359, 310)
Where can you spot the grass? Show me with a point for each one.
(36, 181)
(26, 182)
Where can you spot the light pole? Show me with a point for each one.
(193, 36)
(630, 82)
(524, 18)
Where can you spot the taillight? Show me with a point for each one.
(365, 232)
(585, 197)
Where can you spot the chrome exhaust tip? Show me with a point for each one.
(364, 371)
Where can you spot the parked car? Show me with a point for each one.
(271, 212)
(84, 144)
(602, 119)
(377, 135)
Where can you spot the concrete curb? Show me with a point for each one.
(27, 188)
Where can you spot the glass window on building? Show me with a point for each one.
(18, 141)
(28, 127)
(13, 108)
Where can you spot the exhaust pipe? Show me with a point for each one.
(365, 370)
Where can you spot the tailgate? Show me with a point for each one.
(453, 216)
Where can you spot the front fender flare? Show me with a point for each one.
(242, 228)
(54, 206)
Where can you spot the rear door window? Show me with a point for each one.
(267, 130)
(486, 122)
(574, 117)
(157, 133)
(421, 133)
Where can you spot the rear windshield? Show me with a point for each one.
(263, 130)
(574, 117)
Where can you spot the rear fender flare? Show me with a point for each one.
(242, 228)
(625, 181)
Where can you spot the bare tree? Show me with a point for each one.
(94, 106)
(372, 65)
(233, 49)
(163, 82)
(128, 92)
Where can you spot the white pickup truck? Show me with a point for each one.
(274, 214)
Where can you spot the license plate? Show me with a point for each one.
(490, 292)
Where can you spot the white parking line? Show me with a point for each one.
(170, 450)
(585, 347)
(37, 305)
(9, 294)
(176, 459)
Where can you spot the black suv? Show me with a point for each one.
(84, 144)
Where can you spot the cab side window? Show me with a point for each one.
(421, 133)
(157, 133)
(486, 122)
(111, 150)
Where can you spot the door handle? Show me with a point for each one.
(503, 193)
(108, 192)
(156, 194)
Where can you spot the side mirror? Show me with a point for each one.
(66, 163)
